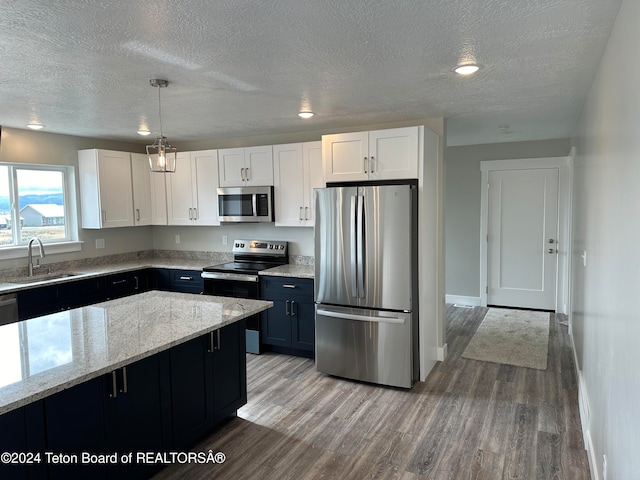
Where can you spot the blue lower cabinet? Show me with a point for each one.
(289, 326)
(135, 418)
(176, 280)
(127, 283)
(229, 371)
(75, 423)
(208, 383)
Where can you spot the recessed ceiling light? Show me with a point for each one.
(35, 126)
(306, 115)
(468, 69)
(144, 133)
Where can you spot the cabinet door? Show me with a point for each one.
(180, 192)
(258, 162)
(135, 417)
(191, 367)
(13, 439)
(140, 177)
(313, 177)
(75, 423)
(206, 176)
(158, 192)
(276, 322)
(229, 371)
(289, 184)
(345, 157)
(303, 324)
(81, 292)
(231, 167)
(393, 153)
(116, 197)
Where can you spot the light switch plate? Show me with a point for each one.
(99, 243)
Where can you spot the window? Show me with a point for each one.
(34, 203)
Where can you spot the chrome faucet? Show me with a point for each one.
(30, 254)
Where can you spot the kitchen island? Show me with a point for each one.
(156, 371)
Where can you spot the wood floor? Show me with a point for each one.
(469, 420)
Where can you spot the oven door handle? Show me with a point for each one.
(229, 276)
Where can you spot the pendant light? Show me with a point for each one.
(162, 156)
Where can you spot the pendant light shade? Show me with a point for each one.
(162, 156)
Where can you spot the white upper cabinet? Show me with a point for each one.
(251, 166)
(297, 170)
(191, 190)
(141, 181)
(106, 192)
(376, 155)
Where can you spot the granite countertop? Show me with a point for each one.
(48, 354)
(11, 285)
(289, 270)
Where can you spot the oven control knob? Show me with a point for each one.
(270, 247)
(281, 247)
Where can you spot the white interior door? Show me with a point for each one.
(522, 228)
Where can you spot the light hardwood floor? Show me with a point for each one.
(469, 420)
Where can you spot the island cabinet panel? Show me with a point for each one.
(22, 432)
(230, 371)
(208, 383)
(191, 391)
(135, 416)
(290, 324)
(75, 423)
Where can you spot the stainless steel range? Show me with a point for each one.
(239, 279)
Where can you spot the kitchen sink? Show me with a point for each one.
(43, 278)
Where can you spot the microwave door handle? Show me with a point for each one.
(352, 239)
(360, 247)
(254, 200)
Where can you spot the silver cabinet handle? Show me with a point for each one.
(306, 213)
(114, 385)
(118, 282)
(551, 250)
(125, 383)
(218, 340)
(286, 308)
(137, 214)
(289, 285)
(372, 163)
(195, 213)
(364, 164)
(246, 171)
(242, 175)
(186, 278)
(293, 312)
(211, 345)
(300, 216)
(137, 287)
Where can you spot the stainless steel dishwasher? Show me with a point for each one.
(8, 308)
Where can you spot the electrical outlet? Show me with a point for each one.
(99, 243)
(224, 239)
(177, 238)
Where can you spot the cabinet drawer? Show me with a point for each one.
(188, 281)
(289, 286)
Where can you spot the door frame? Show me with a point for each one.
(565, 187)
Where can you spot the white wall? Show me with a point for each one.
(605, 319)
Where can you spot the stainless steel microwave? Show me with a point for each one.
(245, 204)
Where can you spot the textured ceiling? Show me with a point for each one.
(245, 67)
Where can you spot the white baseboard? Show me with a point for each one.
(585, 414)
(442, 353)
(462, 300)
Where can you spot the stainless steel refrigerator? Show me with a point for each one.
(366, 283)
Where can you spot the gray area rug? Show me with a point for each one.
(514, 337)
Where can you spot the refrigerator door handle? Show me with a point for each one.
(354, 265)
(360, 246)
(362, 318)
